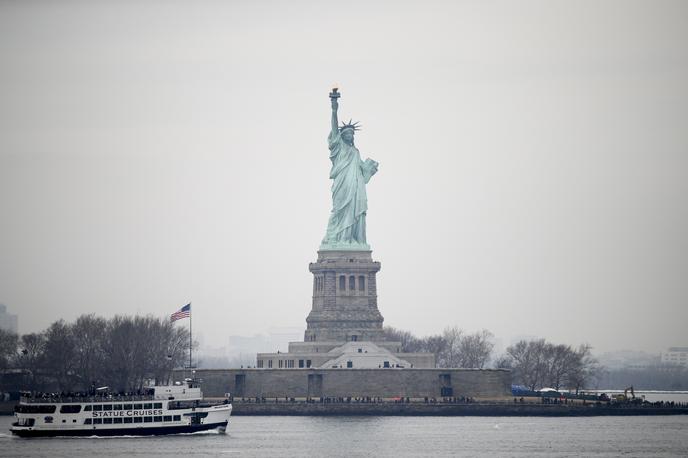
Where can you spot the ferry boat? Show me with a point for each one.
(170, 409)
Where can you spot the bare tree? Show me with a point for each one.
(169, 349)
(89, 332)
(585, 369)
(503, 362)
(59, 356)
(449, 355)
(409, 342)
(8, 348)
(527, 362)
(538, 363)
(121, 352)
(31, 358)
(558, 360)
(475, 349)
(433, 344)
(452, 348)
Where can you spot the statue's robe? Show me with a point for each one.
(349, 200)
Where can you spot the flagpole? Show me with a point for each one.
(190, 338)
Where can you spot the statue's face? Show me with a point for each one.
(348, 135)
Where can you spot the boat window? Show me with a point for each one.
(97, 421)
(87, 408)
(48, 419)
(147, 419)
(138, 406)
(127, 407)
(117, 407)
(107, 406)
(157, 419)
(107, 421)
(128, 420)
(24, 408)
(167, 418)
(117, 420)
(148, 405)
(157, 405)
(87, 421)
(26, 421)
(138, 419)
(70, 408)
(177, 418)
(181, 405)
(97, 407)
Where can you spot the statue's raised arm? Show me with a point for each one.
(334, 95)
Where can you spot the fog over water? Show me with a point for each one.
(533, 162)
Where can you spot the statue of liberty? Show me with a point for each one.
(346, 229)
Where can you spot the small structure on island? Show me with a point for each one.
(344, 352)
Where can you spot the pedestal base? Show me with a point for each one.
(344, 298)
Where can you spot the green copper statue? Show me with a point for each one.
(346, 229)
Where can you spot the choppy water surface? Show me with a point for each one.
(665, 436)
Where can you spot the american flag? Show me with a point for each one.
(184, 312)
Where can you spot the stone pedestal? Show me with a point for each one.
(344, 298)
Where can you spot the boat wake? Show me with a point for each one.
(210, 432)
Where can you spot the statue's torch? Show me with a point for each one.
(334, 95)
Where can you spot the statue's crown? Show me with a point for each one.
(350, 125)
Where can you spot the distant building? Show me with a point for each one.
(8, 322)
(676, 355)
(628, 359)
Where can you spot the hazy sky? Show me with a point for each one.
(533, 162)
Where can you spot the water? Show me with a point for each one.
(660, 436)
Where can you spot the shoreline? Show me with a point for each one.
(442, 409)
(483, 408)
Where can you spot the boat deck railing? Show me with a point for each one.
(87, 399)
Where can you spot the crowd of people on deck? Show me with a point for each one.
(93, 394)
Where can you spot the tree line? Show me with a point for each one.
(122, 352)
(452, 348)
(534, 364)
(538, 363)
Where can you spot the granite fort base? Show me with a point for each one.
(385, 383)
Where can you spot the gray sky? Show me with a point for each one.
(533, 162)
